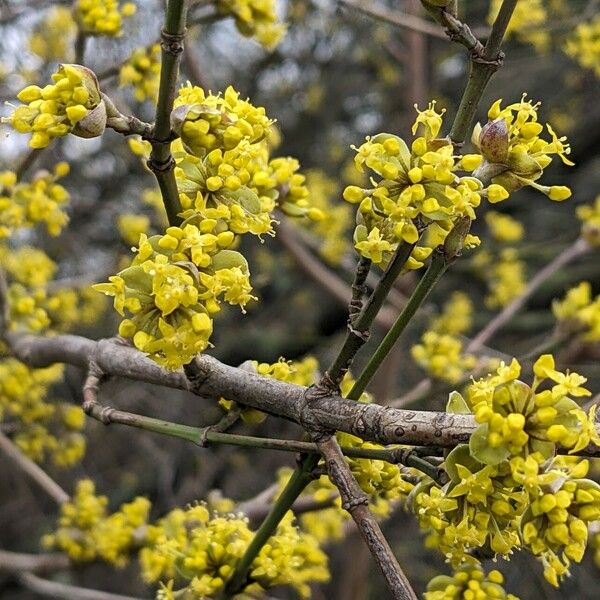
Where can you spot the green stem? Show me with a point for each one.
(482, 68)
(161, 161)
(300, 478)
(364, 320)
(215, 434)
(436, 269)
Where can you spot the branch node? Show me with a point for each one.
(172, 43)
(361, 335)
(161, 167)
(494, 63)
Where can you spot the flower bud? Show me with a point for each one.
(493, 141)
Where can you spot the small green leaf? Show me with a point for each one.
(229, 259)
(457, 404)
(482, 451)
(460, 455)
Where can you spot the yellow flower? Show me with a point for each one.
(72, 104)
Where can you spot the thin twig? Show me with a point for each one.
(53, 589)
(395, 18)
(356, 503)
(15, 562)
(568, 255)
(161, 162)
(33, 471)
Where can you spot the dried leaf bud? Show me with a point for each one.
(93, 124)
(455, 240)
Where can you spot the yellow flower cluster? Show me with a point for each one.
(579, 313)
(45, 429)
(514, 153)
(517, 419)
(441, 355)
(584, 45)
(207, 122)
(52, 39)
(589, 215)
(142, 72)
(72, 104)
(555, 525)
(507, 488)
(132, 226)
(40, 201)
(31, 306)
(87, 532)
(527, 23)
(456, 316)
(440, 351)
(413, 188)
(174, 285)
(228, 186)
(504, 275)
(224, 170)
(204, 548)
(27, 265)
(469, 582)
(332, 230)
(504, 228)
(102, 17)
(256, 19)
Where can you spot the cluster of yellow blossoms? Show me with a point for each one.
(102, 17)
(195, 549)
(32, 307)
(44, 430)
(589, 215)
(415, 188)
(203, 549)
(500, 266)
(174, 285)
(87, 532)
(52, 39)
(440, 351)
(514, 153)
(40, 201)
(507, 489)
(224, 169)
(256, 19)
(470, 583)
(584, 45)
(579, 313)
(72, 104)
(142, 72)
(228, 186)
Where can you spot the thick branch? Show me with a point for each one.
(211, 378)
